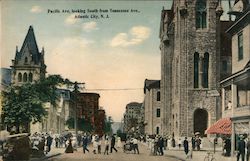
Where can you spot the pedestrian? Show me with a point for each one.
(69, 148)
(112, 144)
(198, 143)
(193, 142)
(248, 148)
(185, 145)
(49, 142)
(57, 142)
(95, 144)
(179, 143)
(161, 145)
(119, 143)
(106, 146)
(135, 145)
(241, 149)
(99, 145)
(85, 143)
(227, 146)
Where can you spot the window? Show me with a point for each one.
(196, 70)
(158, 112)
(224, 66)
(30, 77)
(26, 60)
(157, 130)
(25, 77)
(205, 70)
(240, 46)
(19, 77)
(201, 14)
(158, 96)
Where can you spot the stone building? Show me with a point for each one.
(28, 65)
(152, 105)
(190, 66)
(236, 88)
(134, 118)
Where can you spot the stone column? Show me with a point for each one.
(223, 100)
(200, 71)
(234, 98)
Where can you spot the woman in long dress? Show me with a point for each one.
(119, 143)
(69, 148)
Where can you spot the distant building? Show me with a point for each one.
(88, 109)
(100, 122)
(134, 118)
(152, 105)
(236, 88)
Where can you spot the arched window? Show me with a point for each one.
(26, 60)
(196, 70)
(25, 77)
(30, 77)
(201, 14)
(205, 70)
(157, 130)
(158, 96)
(19, 77)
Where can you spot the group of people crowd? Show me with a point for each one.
(158, 144)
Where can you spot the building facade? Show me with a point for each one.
(152, 105)
(134, 118)
(190, 66)
(28, 65)
(236, 88)
(87, 108)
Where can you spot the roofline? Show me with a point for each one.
(237, 21)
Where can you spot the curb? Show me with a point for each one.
(46, 157)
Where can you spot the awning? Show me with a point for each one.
(222, 126)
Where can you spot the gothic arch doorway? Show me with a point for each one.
(200, 121)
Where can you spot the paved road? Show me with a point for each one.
(119, 156)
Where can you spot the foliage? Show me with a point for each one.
(82, 124)
(107, 126)
(24, 104)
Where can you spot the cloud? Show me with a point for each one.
(89, 26)
(36, 9)
(136, 35)
(70, 20)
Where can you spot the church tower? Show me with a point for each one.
(28, 65)
(190, 69)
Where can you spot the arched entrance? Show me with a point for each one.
(200, 121)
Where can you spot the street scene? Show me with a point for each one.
(112, 80)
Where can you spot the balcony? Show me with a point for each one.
(238, 111)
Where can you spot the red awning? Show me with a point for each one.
(222, 126)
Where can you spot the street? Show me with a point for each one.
(120, 155)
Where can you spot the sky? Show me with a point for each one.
(118, 51)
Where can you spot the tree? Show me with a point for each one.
(107, 126)
(83, 125)
(24, 104)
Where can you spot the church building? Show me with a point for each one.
(190, 35)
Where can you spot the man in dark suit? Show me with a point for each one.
(112, 144)
(241, 149)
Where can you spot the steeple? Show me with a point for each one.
(30, 43)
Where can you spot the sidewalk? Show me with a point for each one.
(197, 155)
(54, 152)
